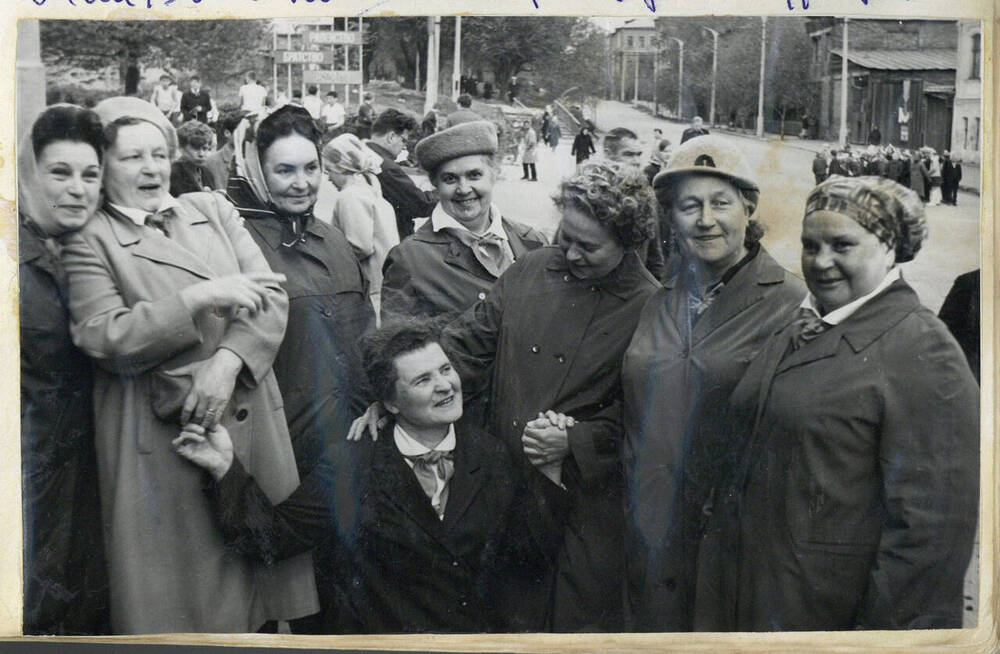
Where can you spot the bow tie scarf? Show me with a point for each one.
(161, 221)
(431, 467)
(808, 325)
(488, 249)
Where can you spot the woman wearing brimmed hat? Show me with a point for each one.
(693, 342)
(853, 503)
(456, 256)
(183, 317)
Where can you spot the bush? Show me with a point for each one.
(77, 94)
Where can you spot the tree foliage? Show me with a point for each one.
(215, 48)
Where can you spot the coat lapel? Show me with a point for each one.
(468, 478)
(152, 245)
(744, 290)
(520, 241)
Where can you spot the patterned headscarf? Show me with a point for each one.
(347, 155)
(888, 210)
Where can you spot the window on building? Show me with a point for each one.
(630, 41)
(965, 133)
(815, 40)
(642, 41)
(977, 56)
(975, 137)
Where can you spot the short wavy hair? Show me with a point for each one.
(618, 197)
(380, 349)
(194, 134)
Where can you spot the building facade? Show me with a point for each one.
(633, 48)
(901, 80)
(966, 130)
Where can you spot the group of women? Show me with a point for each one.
(743, 451)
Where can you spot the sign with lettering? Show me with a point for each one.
(303, 57)
(332, 77)
(334, 38)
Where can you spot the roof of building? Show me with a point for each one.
(943, 59)
(637, 23)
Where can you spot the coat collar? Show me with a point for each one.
(30, 243)
(861, 329)
(151, 244)
(623, 282)
(520, 238)
(268, 225)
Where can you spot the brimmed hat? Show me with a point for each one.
(890, 211)
(476, 137)
(706, 155)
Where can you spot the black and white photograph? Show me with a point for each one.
(501, 324)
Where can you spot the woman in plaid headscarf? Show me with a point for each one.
(853, 504)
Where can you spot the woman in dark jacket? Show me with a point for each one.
(59, 185)
(583, 145)
(853, 503)
(694, 340)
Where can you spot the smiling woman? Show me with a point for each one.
(182, 316)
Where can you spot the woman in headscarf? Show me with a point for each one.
(694, 341)
(58, 189)
(366, 218)
(454, 258)
(183, 317)
(583, 145)
(318, 364)
(853, 503)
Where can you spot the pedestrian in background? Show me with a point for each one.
(583, 145)
(819, 167)
(555, 132)
(195, 102)
(529, 154)
(252, 95)
(366, 218)
(696, 129)
(190, 173)
(312, 103)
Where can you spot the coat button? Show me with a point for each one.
(515, 423)
(454, 564)
(327, 313)
(242, 414)
(481, 296)
(464, 603)
(561, 359)
(566, 278)
(593, 289)
(670, 584)
(534, 348)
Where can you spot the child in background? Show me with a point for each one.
(189, 174)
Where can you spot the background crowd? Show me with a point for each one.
(403, 410)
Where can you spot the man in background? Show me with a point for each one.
(195, 102)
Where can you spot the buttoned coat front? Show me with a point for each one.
(678, 373)
(549, 340)
(435, 274)
(169, 567)
(854, 503)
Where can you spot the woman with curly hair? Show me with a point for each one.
(548, 339)
(694, 340)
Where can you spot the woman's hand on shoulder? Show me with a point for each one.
(371, 420)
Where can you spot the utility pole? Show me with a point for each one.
(845, 88)
(635, 96)
(680, 77)
(760, 90)
(715, 61)
(456, 71)
(433, 61)
(656, 76)
(30, 75)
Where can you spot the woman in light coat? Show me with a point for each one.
(366, 218)
(183, 317)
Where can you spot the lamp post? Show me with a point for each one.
(656, 75)
(845, 88)
(680, 76)
(456, 71)
(715, 59)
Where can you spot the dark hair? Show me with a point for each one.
(297, 93)
(230, 119)
(67, 123)
(110, 134)
(380, 349)
(329, 93)
(465, 100)
(164, 76)
(392, 120)
(284, 122)
(617, 197)
(313, 89)
(613, 139)
(194, 78)
(195, 134)
(252, 74)
(662, 145)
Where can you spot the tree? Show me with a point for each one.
(786, 83)
(582, 64)
(213, 47)
(507, 45)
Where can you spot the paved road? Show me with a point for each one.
(784, 173)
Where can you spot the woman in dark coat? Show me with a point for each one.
(318, 367)
(550, 335)
(694, 341)
(59, 185)
(453, 259)
(853, 504)
(583, 145)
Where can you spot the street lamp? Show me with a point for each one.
(680, 76)
(715, 58)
